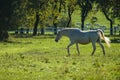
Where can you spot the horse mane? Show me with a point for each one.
(66, 29)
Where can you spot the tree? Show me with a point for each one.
(56, 10)
(86, 7)
(36, 24)
(21, 16)
(71, 7)
(105, 6)
(38, 7)
(116, 8)
(6, 10)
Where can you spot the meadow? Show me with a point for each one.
(41, 58)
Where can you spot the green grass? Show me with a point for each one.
(101, 19)
(41, 58)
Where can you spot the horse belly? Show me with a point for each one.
(84, 41)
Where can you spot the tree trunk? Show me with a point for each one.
(111, 27)
(3, 35)
(111, 22)
(69, 15)
(69, 22)
(55, 28)
(36, 24)
(55, 24)
(4, 27)
(56, 16)
(83, 16)
(85, 9)
(42, 31)
(82, 20)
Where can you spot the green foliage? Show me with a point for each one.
(21, 13)
(111, 7)
(62, 22)
(41, 58)
(93, 20)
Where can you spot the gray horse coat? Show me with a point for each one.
(83, 37)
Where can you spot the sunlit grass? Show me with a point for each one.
(41, 58)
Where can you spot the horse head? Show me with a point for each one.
(58, 37)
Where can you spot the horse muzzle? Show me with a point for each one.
(56, 40)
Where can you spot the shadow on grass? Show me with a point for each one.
(46, 36)
(39, 36)
(115, 40)
(16, 42)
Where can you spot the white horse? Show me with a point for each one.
(83, 37)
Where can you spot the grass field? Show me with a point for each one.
(101, 19)
(41, 58)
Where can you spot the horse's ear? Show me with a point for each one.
(59, 30)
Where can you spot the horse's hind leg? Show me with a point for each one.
(94, 48)
(102, 47)
(68, 48)
(77, 49)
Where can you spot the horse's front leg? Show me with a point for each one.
(68, 48)
(77, 49)
(94, 48)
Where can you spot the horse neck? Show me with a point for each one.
(65, 33)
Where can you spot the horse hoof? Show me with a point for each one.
(67, 55)
(91, 54)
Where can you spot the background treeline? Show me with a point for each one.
(34, 13)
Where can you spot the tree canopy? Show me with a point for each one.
(31, 13)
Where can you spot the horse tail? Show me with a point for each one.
(102, 36)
